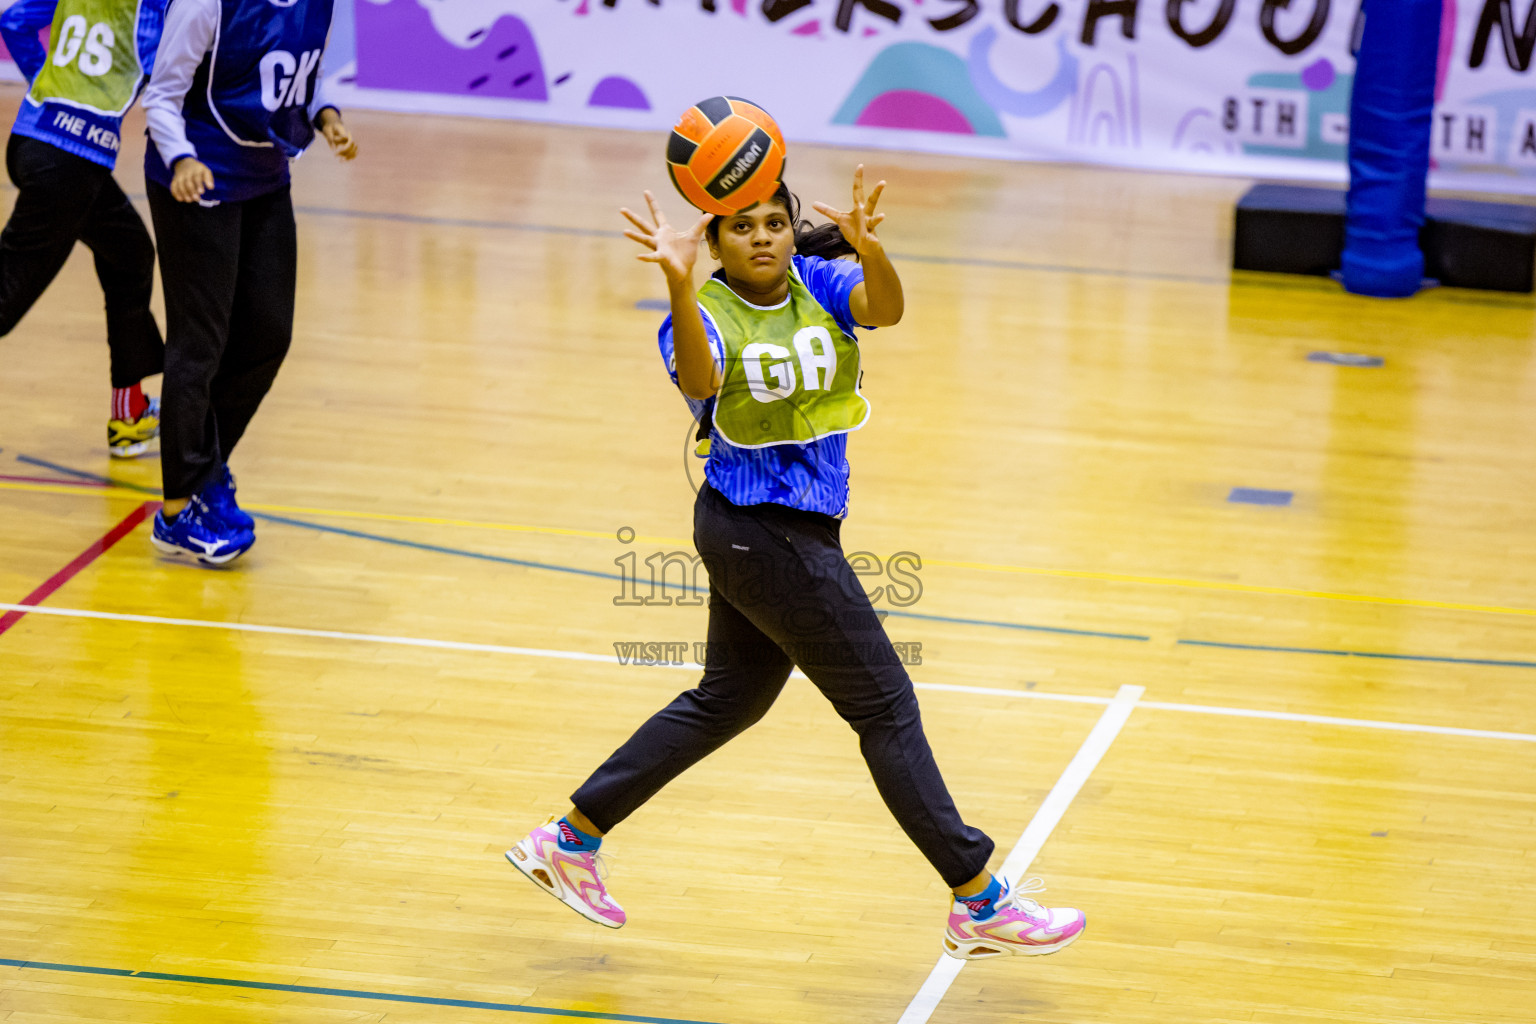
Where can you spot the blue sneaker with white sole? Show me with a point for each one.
(200, 533)
(219, 493)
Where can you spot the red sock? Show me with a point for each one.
(129, 403)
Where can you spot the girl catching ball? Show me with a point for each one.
(769, 342)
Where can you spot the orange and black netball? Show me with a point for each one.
(725, 154)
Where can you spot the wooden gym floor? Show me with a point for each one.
(282, 792)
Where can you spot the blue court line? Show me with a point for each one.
(456, 222)
(1259, 496)
(549, 567)
(1057, 268)
(441, 550)
(1362, 654)
(1016, 625)
(558, 229)
(960, 261)
(1050, 268)
(81, 474)
(359, 534)
(990, 623)
(350, 993)
(695, 589)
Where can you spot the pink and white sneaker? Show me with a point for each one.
(1017, 927)
(573, 878)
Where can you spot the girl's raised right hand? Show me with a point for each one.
(672, 250)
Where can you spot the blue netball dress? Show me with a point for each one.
(812, 476)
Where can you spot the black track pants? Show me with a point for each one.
(61, 199)
(781, 593)
(229, 273)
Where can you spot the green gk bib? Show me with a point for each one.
(93, 59)
(791, 374)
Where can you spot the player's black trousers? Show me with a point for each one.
(781, 593)
(229, 273)
(61, 199)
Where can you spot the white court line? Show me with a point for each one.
(606, 659)
(324, 634)
(1353, 723)
(1035, 834)
(993, 691)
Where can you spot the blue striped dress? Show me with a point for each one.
(812, 477)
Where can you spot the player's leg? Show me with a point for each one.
(125, 266)
(55, 193)
(744, 673)
(261, 329)
(822, 618)
(199, 263)
(260, 332)
(817, 611)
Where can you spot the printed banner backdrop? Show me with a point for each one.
(1250, 87)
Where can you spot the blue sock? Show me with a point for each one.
(574, 840)
(985, 902)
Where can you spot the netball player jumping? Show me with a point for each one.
(771, 338)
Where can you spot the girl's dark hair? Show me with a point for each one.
(824, 240)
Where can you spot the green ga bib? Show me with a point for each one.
(791, 374)
(93, 59)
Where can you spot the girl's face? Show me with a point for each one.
(754, 246)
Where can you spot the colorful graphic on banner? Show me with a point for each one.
(398, 48)
(1251, 87)
(919, 87)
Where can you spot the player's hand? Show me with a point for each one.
(858, 225)
(190, 179)
(674, 251)
(336, 134)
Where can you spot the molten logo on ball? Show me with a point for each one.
(725, 154)
(723, 185)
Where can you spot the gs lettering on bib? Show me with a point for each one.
(93, 58)
(791, 375)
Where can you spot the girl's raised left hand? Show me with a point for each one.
(858, 225)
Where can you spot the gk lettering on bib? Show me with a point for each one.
(791, 375)
(285, 79)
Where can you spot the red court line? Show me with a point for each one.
(50, 480)
(83, 559)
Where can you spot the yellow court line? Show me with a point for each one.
(1247, 588)
(111, 492)
(1022, 570)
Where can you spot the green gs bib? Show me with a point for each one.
(791, 374)
(93, 57)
